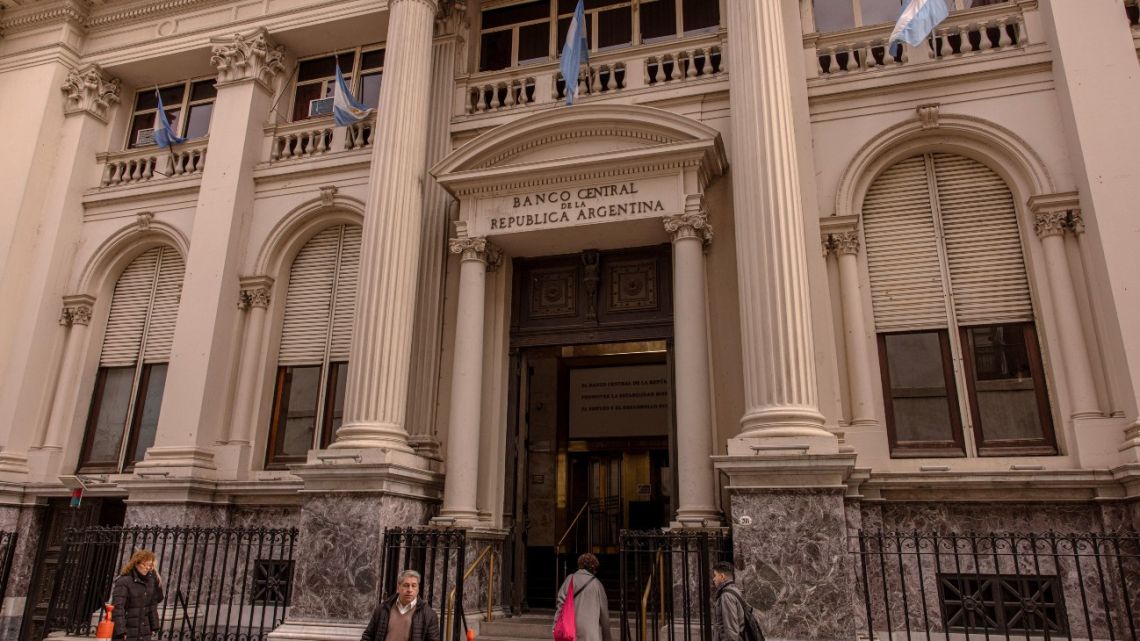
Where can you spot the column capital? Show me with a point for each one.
(76, 310)
(689, 225)
(843, 242)
(450, 15)
(474, 248)
(434, 5)
(256, 291)
(1050, 223)
(1077, 222)
(247, 56)
(91, 91)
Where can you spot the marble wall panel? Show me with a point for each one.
(475, 586)
(792, 561)
(176, 515)
(340, 550)
(29, 529)
(10, 627)
(267, 517)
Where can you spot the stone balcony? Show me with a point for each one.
(151, 164)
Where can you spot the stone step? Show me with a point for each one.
(528, 627)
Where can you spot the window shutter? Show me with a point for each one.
(907, 290)
(129, 305)
(164, 310)
(347, 275)
(308, 303)
(983, 245)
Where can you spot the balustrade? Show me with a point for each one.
(963, 34)
(684, 65)
(594, 80)
(301, 144)
(137, 167)
(503, 94)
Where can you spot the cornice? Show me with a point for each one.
(72, 11)
(144, 11)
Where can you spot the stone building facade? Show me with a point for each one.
(765, 274)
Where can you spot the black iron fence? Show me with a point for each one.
(7, 551)
(918, 585)
(666, 583)
(220, 583)
(439, 555)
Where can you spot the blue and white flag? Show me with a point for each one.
(164, 135)
(576, 51)
(917, 21)
(346, 109)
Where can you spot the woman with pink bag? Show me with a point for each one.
(582, 613)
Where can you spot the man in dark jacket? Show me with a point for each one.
(728, 611)
(403, 617)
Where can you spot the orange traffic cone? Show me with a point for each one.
(470, 634)
(106, 627)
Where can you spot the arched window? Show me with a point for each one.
(308, 400)
(132, 365)
(957, 341)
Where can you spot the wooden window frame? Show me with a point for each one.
(352, 78)
(556, 32)
(953, 448)
(857, 13)
(97, 397)
(1046, 445)
(183, 106)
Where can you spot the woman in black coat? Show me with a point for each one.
(136, 595)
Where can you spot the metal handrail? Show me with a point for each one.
(574, 522)
(659, 571)
(487, 553)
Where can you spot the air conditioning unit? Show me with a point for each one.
(322, 107)
(144, 137)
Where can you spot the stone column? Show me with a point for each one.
(460, 490)
(201, 365)
(76, 317)
(254, 299)
(1050, 227)
(696, 505)
(780, 389)
(376, 394)
(845, 245)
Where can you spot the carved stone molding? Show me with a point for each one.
(249, 56)
(1077, 222)
(70, 11)
(1050, 223)
(470, 248)
(76, 310)
(928, 115)
(434, 5)
(90, 90)
(256, 291)
(328, 195)
(450, 17)
(843, 242)
(143, 220)
(684, 226)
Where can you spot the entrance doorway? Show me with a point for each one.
(590, 444)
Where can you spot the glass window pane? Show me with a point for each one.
(323, 67)
(304, 94)
(138, 123)
(700, 14)
(918, 394)
(106, 427)
(145, 100)
(370, 89)
(495, 51)
(198, 122)
(879, 11)
(833, 15)
(516, 13)
(979, 3)
(615, 27)
(534, 42)
(150, 398)
(563, 26)
(372, 59)
(1004, 383)
(297, 414)
(203, 90)
(596, 4)
(658, 19)
(334, 413)
(172, 96)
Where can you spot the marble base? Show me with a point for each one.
(176, 515)
(790, 549)
(475, 586)
(305, 630)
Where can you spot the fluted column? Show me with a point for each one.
(780, 393)
(1050, 227)
(254, 300)
(460, 489)
(696, 504)
(845, 246)
(76, 317)
(376, 394)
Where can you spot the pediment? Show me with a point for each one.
(571, 139)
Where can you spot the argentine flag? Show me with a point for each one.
(346, 109)
(164, 135)
(917, 21)
(575, 53)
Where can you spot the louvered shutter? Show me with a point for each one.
(983, 246)
(164, 309)
(907, 290)
(308, 303)
(347, 274)
(129, 305)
